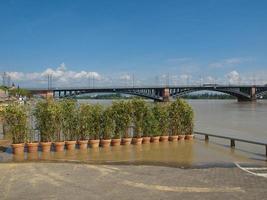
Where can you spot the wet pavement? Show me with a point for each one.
(87, 181)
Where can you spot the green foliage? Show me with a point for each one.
(139, 110)
(48, 120)
(53, 118)
(5, 88)
(69, 113)
(15, 118)
(151, 124)
(85, 120)
(19, 92)
(107, 123)
(181, 117)
(95, 115)
(122, 116)
(161, 112)
(188, 120)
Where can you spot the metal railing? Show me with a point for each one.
(232, 140)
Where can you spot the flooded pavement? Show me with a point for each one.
(183, 154)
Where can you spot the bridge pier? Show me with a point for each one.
(252, 93)
(165, 94)
(47, 94)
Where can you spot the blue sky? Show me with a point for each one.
(193, 41)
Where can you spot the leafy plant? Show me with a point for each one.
(107, 123)
(151, 124)
(95, 125)
(48, 120)
(181, 117)
(69, 112)
(175, 117)
(161, 113)
(85, 120)
(15, 118)
(122, 117)
(188, 120)
(139, 109)
(19, 92)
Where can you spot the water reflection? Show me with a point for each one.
(181, 153)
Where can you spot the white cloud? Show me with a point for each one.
(62, 67)
(227, 62)
(16, 75)
(233, 61)
(233, 77)
(180, 59)
(60, 76)
(125, 77)
(210, 79)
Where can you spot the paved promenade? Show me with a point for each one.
(85, 181)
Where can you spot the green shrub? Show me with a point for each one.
(122, 115)
(15, 118)
(69, 112)
(188, 120)
(95, 125)
(84, 121)
(107, 123)
(151, 124)
(181, 117)
(139, 109)
(161, 112)
(48, 118)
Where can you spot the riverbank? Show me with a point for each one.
(83, 181)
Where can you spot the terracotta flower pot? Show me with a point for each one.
(94, 143)
(155, 139)
(137, 140)
(126, 141)
(173, 138)
(105, 143)
(32, 156)
(116, 142)
(164, 138)
(46, 146)
(18, 148)
(189, 137)
(32, 147)
(59, 146)
(181, 137)
(83, 144)
(70, 145)
(146, 140)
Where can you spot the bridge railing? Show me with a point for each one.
(232, 140)
(145, 86)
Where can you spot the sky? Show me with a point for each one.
(141, 42)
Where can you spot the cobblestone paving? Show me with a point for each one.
(85, 181)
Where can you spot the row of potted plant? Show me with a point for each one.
(64, 123)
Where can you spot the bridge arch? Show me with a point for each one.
(139, 94)
(258, 95)
(235, 93)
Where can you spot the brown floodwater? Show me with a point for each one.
(196, 153)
